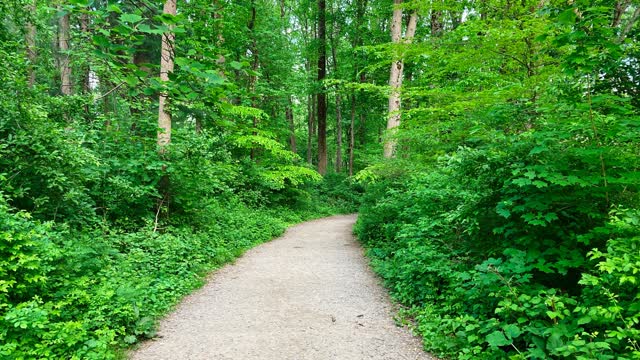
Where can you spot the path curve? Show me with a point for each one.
(308, 295)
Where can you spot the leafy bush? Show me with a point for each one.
(496, 248)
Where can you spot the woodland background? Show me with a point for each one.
(491, 148)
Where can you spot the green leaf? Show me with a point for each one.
(512, 331)
(130, 339)
(130, 18)
(567, 17)
(584, 320)
(148, 30)
(497, 339)
(114, 8)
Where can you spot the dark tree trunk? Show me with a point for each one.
(292, 126)
(322, 99)
(351, 133)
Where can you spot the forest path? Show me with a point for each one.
(307, 295)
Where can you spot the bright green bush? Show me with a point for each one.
(497, 247)
(111, 287)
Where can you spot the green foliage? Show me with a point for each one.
(508, 223)
(112, 286)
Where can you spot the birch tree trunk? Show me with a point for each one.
(395, 78)
(64, 63)
(30, 40)
(166, 67)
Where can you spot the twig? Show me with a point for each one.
(155, 225)
(110, 91)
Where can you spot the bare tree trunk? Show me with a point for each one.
(352, 139)
(311, 111)
(361, 8)
(292, 126)
(217, 15)
(30, 40)
(166, 67)
(338, 133)
(86, 80)
(66, 87)
(322, 97)
(395, 78)
(253, 79)
(334, 34)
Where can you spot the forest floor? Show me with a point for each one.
(306, 295)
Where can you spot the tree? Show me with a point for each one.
(321, 96)
(166, 67)
(30, 40)
(66, 87)
(397, 69)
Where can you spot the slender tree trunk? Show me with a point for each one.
(217, 15)
(352, 139)
(30, 40)
(322, 98)
(253, 79)
(338, 133)
(166, 67)
(363, 119)
(86, 79)
(395, 78)
(66, 87)
(292, 126)
(311, 111)
(334, 35)
(361, 8)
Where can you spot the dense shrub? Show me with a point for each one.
(507, 250)
(71, 294)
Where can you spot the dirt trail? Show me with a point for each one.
(305, 296)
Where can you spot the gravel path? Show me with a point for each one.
(305, 296)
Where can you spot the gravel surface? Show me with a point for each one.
(307, 295)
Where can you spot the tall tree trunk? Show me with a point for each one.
(338, 133)
(217, 15)
(253, 79)
(292, 126)
(30, 40)
(66, 87)
(334, 35)
(322, 97)
(352, 139)
(361, 8)
(166, 67)
(363, 118)
(395, 78)
(86, 78)
(311, 111)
